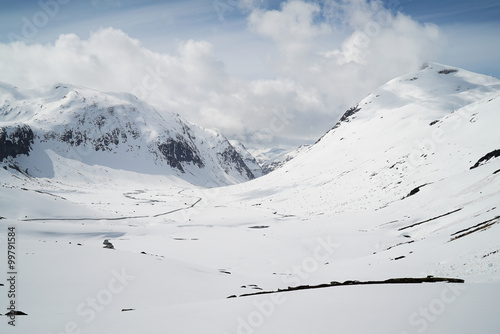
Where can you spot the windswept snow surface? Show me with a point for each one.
(389, 192)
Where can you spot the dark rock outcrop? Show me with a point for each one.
(15, 140)
(403, 280)
(229, 156)
(177, 151)
(486, 157)
(346, 117)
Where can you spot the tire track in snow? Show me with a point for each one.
(121, 218)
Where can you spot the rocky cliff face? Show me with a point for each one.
(15, 140)
(247, 158)
(178, 152)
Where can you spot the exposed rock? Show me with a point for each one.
(486, 157)
(230, 157)
(177, 151)
(347, 116)
(118, 124)
(15, 140)
(404, 280)
(108, 244)
(478, 227)
(448, 71)
(248, 159)
(430, 219)
(415, 190)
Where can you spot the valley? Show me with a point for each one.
(387, 195)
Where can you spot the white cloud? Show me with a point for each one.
(364, 46)
(292, 27)
(322, 65)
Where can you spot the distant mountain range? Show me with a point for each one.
(274, 158)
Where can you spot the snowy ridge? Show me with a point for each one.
(113, 130)
(416, 129)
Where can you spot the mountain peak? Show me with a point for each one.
(414, 130)
(437, 90)
(115, 130)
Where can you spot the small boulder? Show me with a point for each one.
(108, 244)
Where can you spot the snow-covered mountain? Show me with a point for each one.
(39, 127)
(274, 158)
(404, 188)
(412, 133)
(415, 165)
(248, 158)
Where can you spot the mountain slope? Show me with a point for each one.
(113, 130)
(415, 130)
(248, 158)
(410, 177)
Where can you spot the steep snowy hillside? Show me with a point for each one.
(39, 127)
(409, 134)
(417, 160)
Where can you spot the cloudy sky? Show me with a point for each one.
(268, 73)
